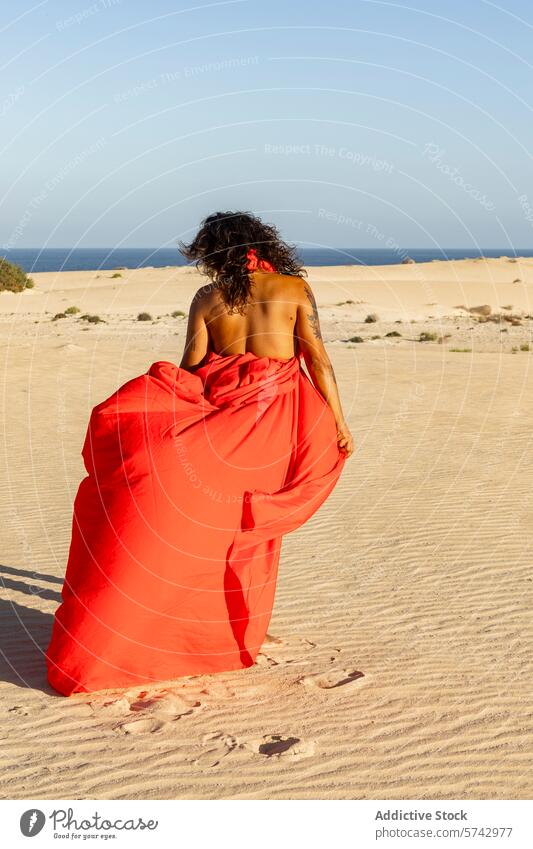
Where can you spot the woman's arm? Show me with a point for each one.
(318, 362)
(197, 340)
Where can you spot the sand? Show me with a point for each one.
(399, 663)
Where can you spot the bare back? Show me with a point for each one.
(279, 321)
(266, 327)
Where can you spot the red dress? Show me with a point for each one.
(192, 480)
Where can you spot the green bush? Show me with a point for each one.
(72, 310)
(144, 316)
(427, 337)
(13, 278)
(178, 314)
(356, 339)
(524, 347)
(116, 274)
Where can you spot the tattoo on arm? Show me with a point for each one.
(332, 373)
(313, 317)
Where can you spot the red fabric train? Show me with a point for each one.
(192, 480)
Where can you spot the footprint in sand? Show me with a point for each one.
(219, 690)
(111, 707)
(276, 650)
(332, 679)
(140, 726)
(217, 745)
(163, 705)
(280, 746)
(18, 710)
(146, 712)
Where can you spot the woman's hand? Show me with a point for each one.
(344, 438)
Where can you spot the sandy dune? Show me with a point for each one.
(400, 659)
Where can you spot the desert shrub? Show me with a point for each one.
(371, 318)
(13, 278)
(72, 310)
(392, 333)
(461, 350)
(524, 346)
(144, 316)
(58, 315)
(92, 319)
(427, 337)
(178, 314)
(356, 339)
(116, 274)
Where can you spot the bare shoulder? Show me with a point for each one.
(304, 292)
(203, 297)
(287, 286)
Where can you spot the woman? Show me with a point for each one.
(194, 474)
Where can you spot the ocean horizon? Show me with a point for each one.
(95, 259)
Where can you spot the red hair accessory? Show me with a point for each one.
(254, 262)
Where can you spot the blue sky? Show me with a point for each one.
(362, 123)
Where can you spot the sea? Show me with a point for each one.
(91, 259)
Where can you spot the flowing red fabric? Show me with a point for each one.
(192, 481)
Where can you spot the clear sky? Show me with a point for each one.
(359, 123)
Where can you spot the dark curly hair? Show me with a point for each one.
(219, 250)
